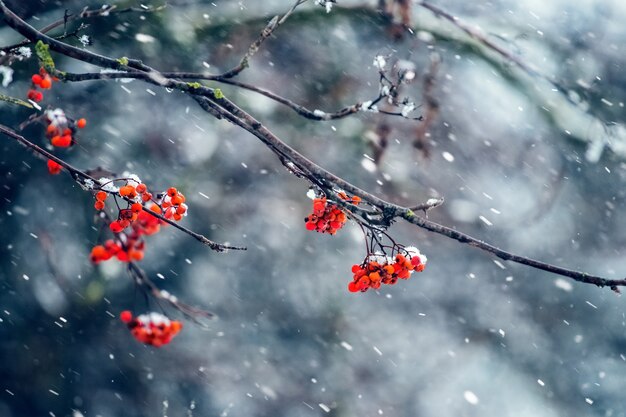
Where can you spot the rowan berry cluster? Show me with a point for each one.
(60, 129)
(327, 217)
(173, 204)
(133, 222)
(380, 269)
(152, 328)
(110, 249)
(42, 80)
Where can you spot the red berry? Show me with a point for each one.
(98, 253)
(53, 167)
(36, 78)
(127, 190)
(122, 256)
(45, 83)
(116, 227)
(126, 316)
(34, 95)
(61, 141)
(176, 200)
(319, 204)
(135, 255)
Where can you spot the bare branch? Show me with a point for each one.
(479, 37)
(272, 25)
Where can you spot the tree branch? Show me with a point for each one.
(77, 173)
(220, 106)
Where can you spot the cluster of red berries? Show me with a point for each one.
(134, 191)
(134, 222)
(170, 204)
(328, 218)
(132, 250)
(125, 217)
(42, 80)
(173, 204)
(377, 270)
(59, 129)
(152, 329)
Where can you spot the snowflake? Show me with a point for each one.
(326, 3)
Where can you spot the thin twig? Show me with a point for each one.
(479, 37)
(189, 311)
(273, 24)
(84, 14)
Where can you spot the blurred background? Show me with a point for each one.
(531, 160)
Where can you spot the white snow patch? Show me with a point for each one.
(324, 407)
(320, 113)
(380, 62)
(470, 397)
(7, 75)
(368, 165)
(347, 346)
(563, 284)
(24, 52)
(485, 220)
(407, 109)
(143, 38)
(448, 156)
